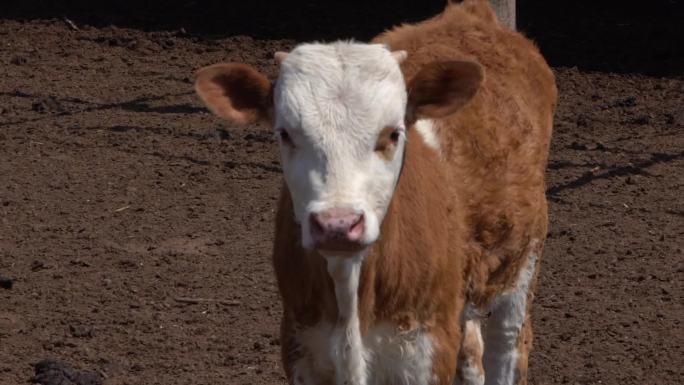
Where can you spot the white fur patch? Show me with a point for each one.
(346, 349)
(334, 100)
(392, 356)
(402, 358)
(426, 128)
(508, 312)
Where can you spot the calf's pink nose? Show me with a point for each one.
(337, 229)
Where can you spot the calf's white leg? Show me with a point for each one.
(507, 315)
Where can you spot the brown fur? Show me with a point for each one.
(407, 283)
(234, 91)
(471, 353)
(441, 88)
(461, 222)
(496, 147)
(526, 336)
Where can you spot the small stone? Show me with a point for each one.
(37, 265)
(6, 283)
(669, 119)
(577, 146)
(80, 331)
(629, 101)
(53, 372)
(643, 119)
(18, 60)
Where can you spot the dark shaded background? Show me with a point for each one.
(617, 36)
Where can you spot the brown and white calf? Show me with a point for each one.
(413, 215)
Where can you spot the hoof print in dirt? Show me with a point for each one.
(5, 282)
(53, 372)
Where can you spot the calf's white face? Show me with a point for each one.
(339, 116)
(339, 111)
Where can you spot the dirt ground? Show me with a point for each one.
(137, 227)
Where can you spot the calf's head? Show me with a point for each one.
(340, 112)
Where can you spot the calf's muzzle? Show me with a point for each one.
(337, 229)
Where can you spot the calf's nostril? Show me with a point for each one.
(316, 224)
(337, 228)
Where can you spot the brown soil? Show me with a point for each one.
(137, 228)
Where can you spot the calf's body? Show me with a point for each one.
(410, 289)
(438, 286)
(496, 150)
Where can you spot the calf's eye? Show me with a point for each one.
(284, 136)
(387, 142)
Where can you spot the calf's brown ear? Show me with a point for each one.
(441, 88)
(235, 91)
